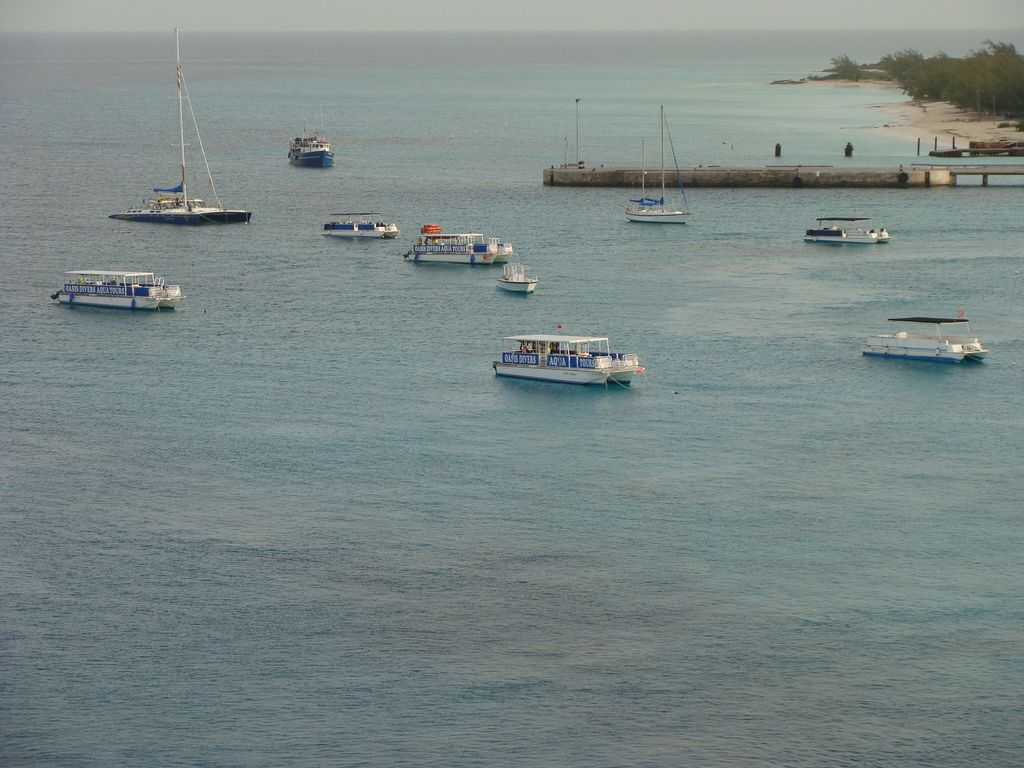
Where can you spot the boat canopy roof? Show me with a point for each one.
(544, 337)
(371, 213)
(929, 320)
(106, 273)
(844, 218)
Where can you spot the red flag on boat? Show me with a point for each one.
(960, 315)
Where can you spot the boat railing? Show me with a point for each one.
(933, 337)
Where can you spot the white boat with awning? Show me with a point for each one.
(850, 230)
(433, 245)
(565, 359)
(949, 343)
(117, 290)
(360, 225)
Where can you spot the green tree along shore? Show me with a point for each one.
(990, 79)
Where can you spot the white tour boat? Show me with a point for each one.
(831, 233)
(653, 210)
(118, 290)
(360, 225)
(515, 280)
(566, 359)
(940, 346)
(467, 248)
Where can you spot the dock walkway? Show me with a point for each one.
(768, 176)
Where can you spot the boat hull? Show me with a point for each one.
(849, 238)
(575, 376)
(517, 286)
(456, 257)
(934, 356)
(118, 302)
(318, 159)
(388, 232)
(186, 218)
(658, 217)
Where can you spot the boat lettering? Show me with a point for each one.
(105, 290)
(586, 362)
(441, 248)
(558, 361)
(520, 358)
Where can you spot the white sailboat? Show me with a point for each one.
(178, 207)
(651, 209)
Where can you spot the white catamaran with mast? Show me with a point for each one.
(651, 209)
(177, 207)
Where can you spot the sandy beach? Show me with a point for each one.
(928, 120)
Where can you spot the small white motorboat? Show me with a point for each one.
(466, 248)
(360, 225)
(565, 359)
(941, 346)
(515, 280)
(831, 233)
(118, 290)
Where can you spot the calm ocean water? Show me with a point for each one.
(299, 522)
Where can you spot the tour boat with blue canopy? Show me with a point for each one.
(827, 232)
(465, 248)
(117, 289)
(949, 343)
(565, 359)
(310, 150)
(360, 225)
(173, 205)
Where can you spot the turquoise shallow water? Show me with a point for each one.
(300, 522)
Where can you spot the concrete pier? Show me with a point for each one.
(768, 176)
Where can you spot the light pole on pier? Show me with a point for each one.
(577, 132)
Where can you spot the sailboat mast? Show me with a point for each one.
(643, 171)
(181, 117)
(663, 154)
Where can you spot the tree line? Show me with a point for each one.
(989, 79)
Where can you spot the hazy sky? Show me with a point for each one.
(512, 15)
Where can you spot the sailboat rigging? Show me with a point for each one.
(179, 208)
(651, 209)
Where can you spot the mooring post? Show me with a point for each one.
(919, 147)
(778, 150)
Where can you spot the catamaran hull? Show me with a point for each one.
(321, 159)
(655, 217)
(936, 356)
(841, 237)
(577, 376)
(188, 218)
(117, 302)
(377, 233)
(457, 258)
